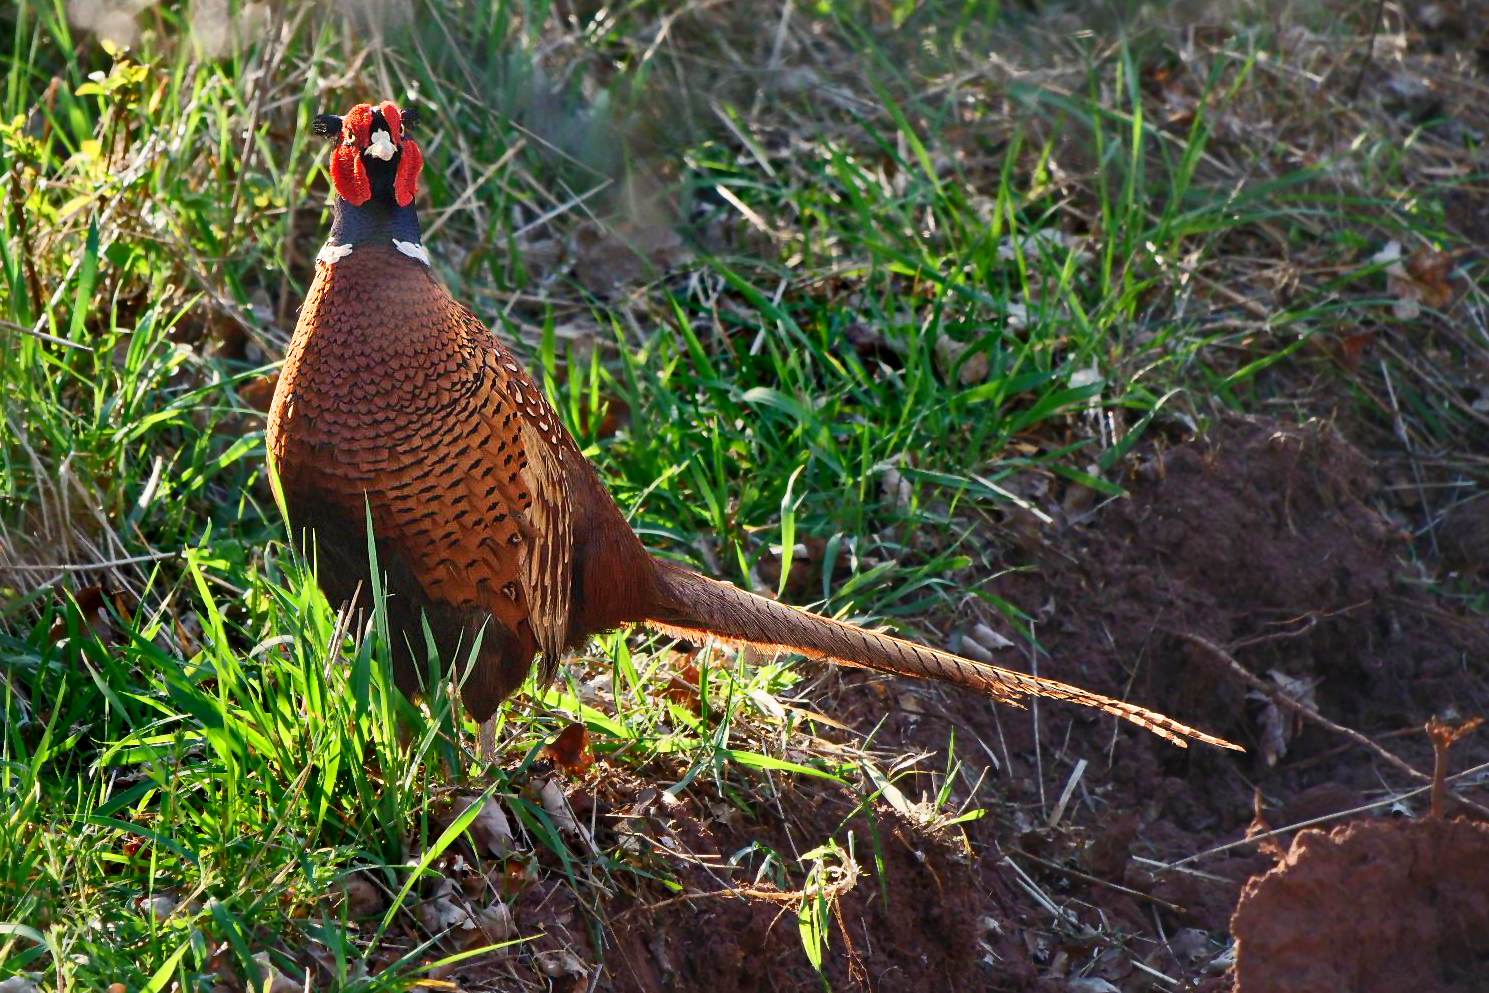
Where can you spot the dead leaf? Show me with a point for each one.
(517, 875)
(271, 980)
(974, 650)
(496, 923)
(768, 705)
(1190, 945)
(970, 372)
(893, 795)
(1090, 984)
(444, 908)
(560, 962)
(1174, 89)
(683, 688)
(1424, 279)
(93, 605)
(1352, 346)
(1089, 376)
(1279, 728)
(990, 639)
(599, 689)
(1045, 241)
(158, 907)
(490, 831)
(1223, 962)
(570, 751)
(1431, 273)
(896, 488)
(1037, 944)
(360, 896)
(557, 805)
(910, 703)
(188, 629)
(1273, 728)
(1018, 316)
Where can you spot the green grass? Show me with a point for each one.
(222, 741)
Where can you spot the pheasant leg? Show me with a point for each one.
(486, 742)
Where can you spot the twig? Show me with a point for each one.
(1309, 622)
(1279, 697)
(470, 191)
(1065, 794)
(18, 209)
(1443, 735)
(37, 333)
(1324, 756)
(563, 208)
(89, 566)
(1253, 839)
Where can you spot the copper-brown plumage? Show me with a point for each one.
(490, 524)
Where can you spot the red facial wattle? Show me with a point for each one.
(349, 171)
(410, 161)
(406, 183)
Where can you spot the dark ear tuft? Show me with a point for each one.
(326, 125)
(410, 119)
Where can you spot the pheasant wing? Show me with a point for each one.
(542, 501)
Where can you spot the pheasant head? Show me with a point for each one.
(375, 158)
(375, 170)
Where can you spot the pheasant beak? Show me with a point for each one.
(381, 146)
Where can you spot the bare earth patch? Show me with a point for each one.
(1263, 539)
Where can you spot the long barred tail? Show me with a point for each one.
(689, 605)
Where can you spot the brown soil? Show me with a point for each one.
(1263, 538)
(909, 942)
(1266, 539)
(917, 931)
(1372, 908)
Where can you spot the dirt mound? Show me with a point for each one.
(1262, 538)
(1372, 908)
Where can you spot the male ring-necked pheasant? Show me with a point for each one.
(488, 519)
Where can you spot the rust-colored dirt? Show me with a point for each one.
(917, 931)
(1271, 540)
(1371, 908)
(1268, 539)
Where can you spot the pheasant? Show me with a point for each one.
(396, 403)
